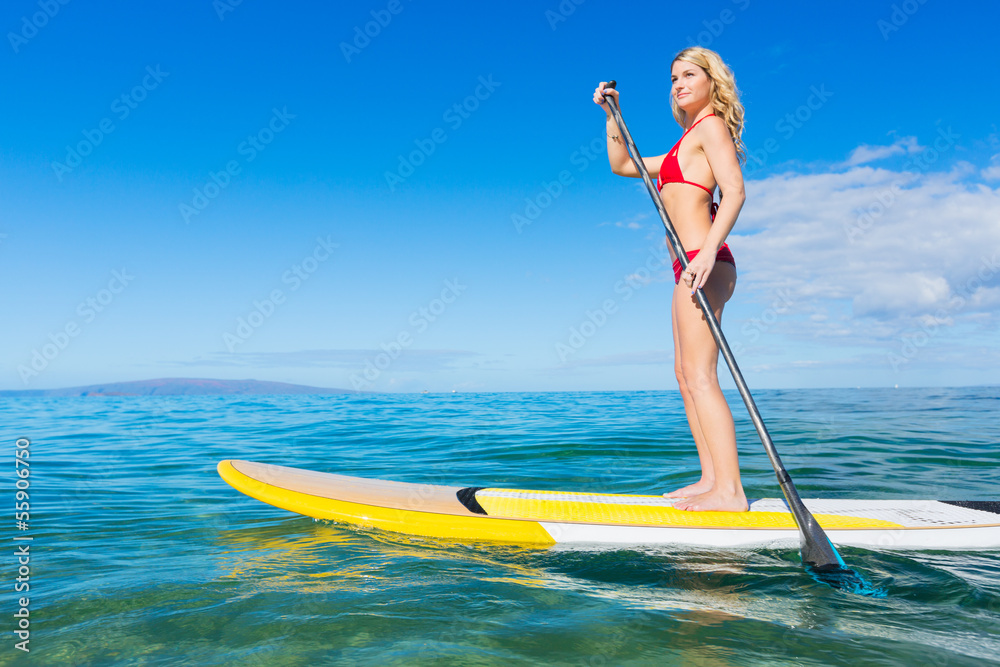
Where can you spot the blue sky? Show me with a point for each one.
(253, 190)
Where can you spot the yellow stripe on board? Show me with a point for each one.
(581, 494)
(396, 520)
(540, 509)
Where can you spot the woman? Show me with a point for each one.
(705, 103)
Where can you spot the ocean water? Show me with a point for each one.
(142, 555)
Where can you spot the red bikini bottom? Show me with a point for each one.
(724, 255)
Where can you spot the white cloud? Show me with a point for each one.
(628, 223)
(992, 173)
(986, 297)
(868, 254)
(409, 359)
(908, 292)
(864, 154)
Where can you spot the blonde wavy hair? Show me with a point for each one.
(725, 96)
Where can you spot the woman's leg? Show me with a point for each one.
(699, 357)
(707, 472)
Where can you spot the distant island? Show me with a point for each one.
(180, 387)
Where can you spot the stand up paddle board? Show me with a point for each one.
(551, 517)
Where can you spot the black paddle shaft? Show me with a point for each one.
(816, 547)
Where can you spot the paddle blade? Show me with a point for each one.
(826, 565)
(817, 550)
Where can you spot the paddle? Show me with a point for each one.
(817, 551)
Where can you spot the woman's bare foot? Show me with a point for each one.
(699, 487)
(715, 500)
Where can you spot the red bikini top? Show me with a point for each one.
(670, 170)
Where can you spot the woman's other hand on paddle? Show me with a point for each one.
(698, 269)
(601, 92)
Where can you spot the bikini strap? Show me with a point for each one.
(677, 146)
(711, 115)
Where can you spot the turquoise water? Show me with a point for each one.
(143, 556)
